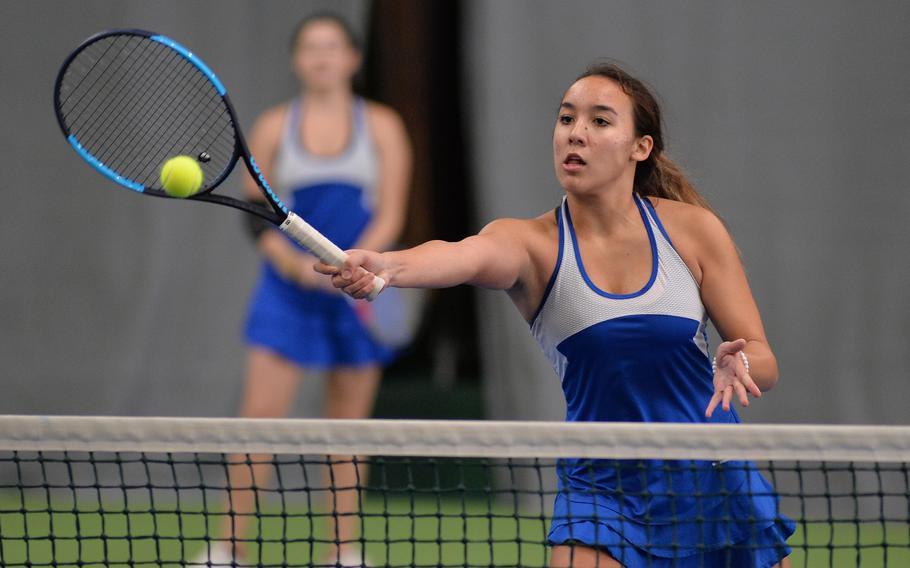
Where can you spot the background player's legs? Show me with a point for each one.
(269, 392)
(564, 556)
(350, 393)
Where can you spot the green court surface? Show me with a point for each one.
(399, 531)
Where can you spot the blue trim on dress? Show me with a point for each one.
(653, 213)
(654, 259)
(546, 292)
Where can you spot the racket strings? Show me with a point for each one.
(133, 103)
(158, 130)
(204, 118)
(118, 123)
(102, 117)
(84, 76)
(155, 130)
(112, 71)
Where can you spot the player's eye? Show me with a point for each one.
(601, 121)
(565, 119)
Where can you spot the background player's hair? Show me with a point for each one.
(658, 176)
(346, 27)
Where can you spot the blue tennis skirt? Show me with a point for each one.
(725, 516)
(312, 328)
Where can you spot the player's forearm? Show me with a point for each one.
(762, 364)
(277, 250)
(435, 264)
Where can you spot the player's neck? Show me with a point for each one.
(605, 211)
(328, 99)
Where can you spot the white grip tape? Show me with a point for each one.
(327, 251)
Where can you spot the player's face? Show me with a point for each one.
(323, 58)
(595, 144)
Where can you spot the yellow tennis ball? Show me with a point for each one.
(181, 176)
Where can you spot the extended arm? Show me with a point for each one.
(728, 299)
(495, 258)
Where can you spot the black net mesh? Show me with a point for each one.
(178, 509)
(133, 103)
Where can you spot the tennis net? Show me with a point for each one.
(107, 491)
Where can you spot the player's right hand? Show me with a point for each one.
(355, 278)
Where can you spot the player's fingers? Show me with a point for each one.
(359, 284)
(364, 292)
(344, 277)
(712, 404)
(339, 281)
(728, 396)
(741, 394)
(730, 347)
(324, 268)
(356, 259)
(751, 386)
(356, 285)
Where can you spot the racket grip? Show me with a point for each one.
(324, 249)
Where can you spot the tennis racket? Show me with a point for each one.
(129, 100)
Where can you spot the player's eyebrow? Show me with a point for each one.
(602, 108)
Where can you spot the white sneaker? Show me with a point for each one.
(215, 554)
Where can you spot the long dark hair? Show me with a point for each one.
(658, 176)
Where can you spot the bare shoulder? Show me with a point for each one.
(687, 221)
(383, 117)
(537, 237)
(541, 226)
(698, 235)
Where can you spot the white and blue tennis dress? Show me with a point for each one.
(643, 357)
(336, 195)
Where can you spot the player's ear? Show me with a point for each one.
(642, 148)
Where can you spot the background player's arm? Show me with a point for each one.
(728, 298)
(395, 159)
(496, 258)
(290, 262)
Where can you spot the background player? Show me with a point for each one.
(640, 262)
(344, 164)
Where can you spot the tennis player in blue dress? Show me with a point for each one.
(618, 284)
(343, 163)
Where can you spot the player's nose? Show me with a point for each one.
(578, 135)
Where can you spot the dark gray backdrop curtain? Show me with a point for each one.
(112, 303)
(793, 120)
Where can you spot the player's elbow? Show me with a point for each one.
(770, 375)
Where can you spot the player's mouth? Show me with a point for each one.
(573, 163)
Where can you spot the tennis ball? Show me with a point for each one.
(181, 176)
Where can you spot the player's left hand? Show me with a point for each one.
(730, 377)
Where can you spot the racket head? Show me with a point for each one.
(129, 100)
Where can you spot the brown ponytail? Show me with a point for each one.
(658, 176)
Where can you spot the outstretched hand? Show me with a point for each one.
(355, 278)
(731, 377)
